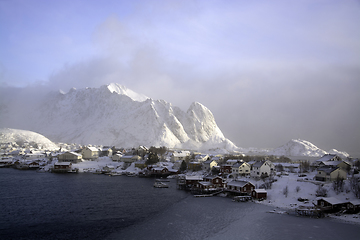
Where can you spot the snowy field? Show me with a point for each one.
(306, 190)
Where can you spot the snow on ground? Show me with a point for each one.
(97, 164)
(307, 189)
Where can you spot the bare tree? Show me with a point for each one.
(286, 191)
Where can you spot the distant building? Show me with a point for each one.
(262, 169)
(90, 153)
(62, 167)
(69, 157)
(179, 155)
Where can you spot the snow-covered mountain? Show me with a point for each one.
(115, 115)
(298, 147)
(8, 135)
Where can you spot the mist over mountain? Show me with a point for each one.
(115, 115)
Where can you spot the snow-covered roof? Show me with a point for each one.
(209, 161)
(355, 202)
(238, 183)
(258, 164)
(327, 169)
(94, 149)
(74, 153)
(205, 183)
(326, 158)
(331, 200)
(63, 163)
(195, 178)
(260, 190)
(237, 165)
(332, 163)
(232, 161)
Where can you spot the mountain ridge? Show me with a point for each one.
(115, 115)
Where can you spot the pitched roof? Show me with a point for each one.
(326, 157)
(332, 200)
(238, 183)
(260, 190)
(94, 149)
(258, 164)
(327, 169)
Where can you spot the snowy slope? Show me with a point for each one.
(115, 115)
(8, 135)
(298, 147)
(343, 155)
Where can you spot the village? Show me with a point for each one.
(327, 185)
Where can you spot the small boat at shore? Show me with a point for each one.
(158, 184)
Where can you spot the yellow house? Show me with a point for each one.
(90, 153)
(241, 168)
(130, 158)
(209, 164)
(330, 173)
(70, 157)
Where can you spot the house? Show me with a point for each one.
(330, 204)
(141, 151)
(215, 180)
(179, 155)
(116, 157)
(209, 164)
(202, 157)
(353, 206)
(106, 152)
(204, 187)
(187, 182)
(240, 187)
(140, 164)
(329, 173)
(69, 157)
(33, 156)
(226, 169)
(241, 168)
(326, 158)
(340, 164)
(6, 162)
(62, 167)
(262, 169)
(90, 153)
(259, 194)
(160, 171)
(231, 162)
(130, 158)
(195, 166)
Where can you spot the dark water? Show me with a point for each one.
(87, 206)
(76, 206)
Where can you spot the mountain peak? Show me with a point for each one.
(122, 90)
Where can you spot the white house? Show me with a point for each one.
(262, 169)
(179, 155)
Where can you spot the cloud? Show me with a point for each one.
(269, 72)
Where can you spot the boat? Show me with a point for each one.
(158, 184)
(115, 174)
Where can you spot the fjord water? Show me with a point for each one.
(87, 206)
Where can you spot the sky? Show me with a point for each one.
(269, 71)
